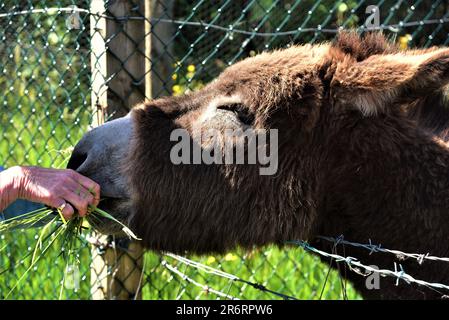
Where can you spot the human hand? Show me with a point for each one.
(58, 188)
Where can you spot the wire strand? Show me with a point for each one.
(398, 273)
(392, 27)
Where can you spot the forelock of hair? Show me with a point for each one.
(362, 47)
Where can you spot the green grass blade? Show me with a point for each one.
(56, 235)
(38, 245)
(125, 229)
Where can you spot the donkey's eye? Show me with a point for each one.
(240, 111)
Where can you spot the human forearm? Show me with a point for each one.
(9, 186)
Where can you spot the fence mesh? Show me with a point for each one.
(63, 63)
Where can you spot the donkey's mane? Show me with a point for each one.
(360, 48)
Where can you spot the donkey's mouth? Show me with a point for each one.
(116, 207)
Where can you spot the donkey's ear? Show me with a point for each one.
(382, 81)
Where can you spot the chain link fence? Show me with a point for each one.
(66, 66)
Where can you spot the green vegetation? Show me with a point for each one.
(288, 271)
(56, 232)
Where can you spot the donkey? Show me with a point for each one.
(362, 130)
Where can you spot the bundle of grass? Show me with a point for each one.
(56, 232)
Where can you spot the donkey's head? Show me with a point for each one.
(297, 106)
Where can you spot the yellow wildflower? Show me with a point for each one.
(343, 7)
(191, 68)
(404, 40)
(176, 89)
(230, 257)
(210, 260)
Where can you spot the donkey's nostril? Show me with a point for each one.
(76, 160)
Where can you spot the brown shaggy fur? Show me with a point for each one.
(361, 154)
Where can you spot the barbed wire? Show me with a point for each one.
(398, 273)
(202, 267)
(353, 263)
(420, 258)
(230, 28)
(51, 10)
(185, 277)
(392, 27)
(226, 275)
